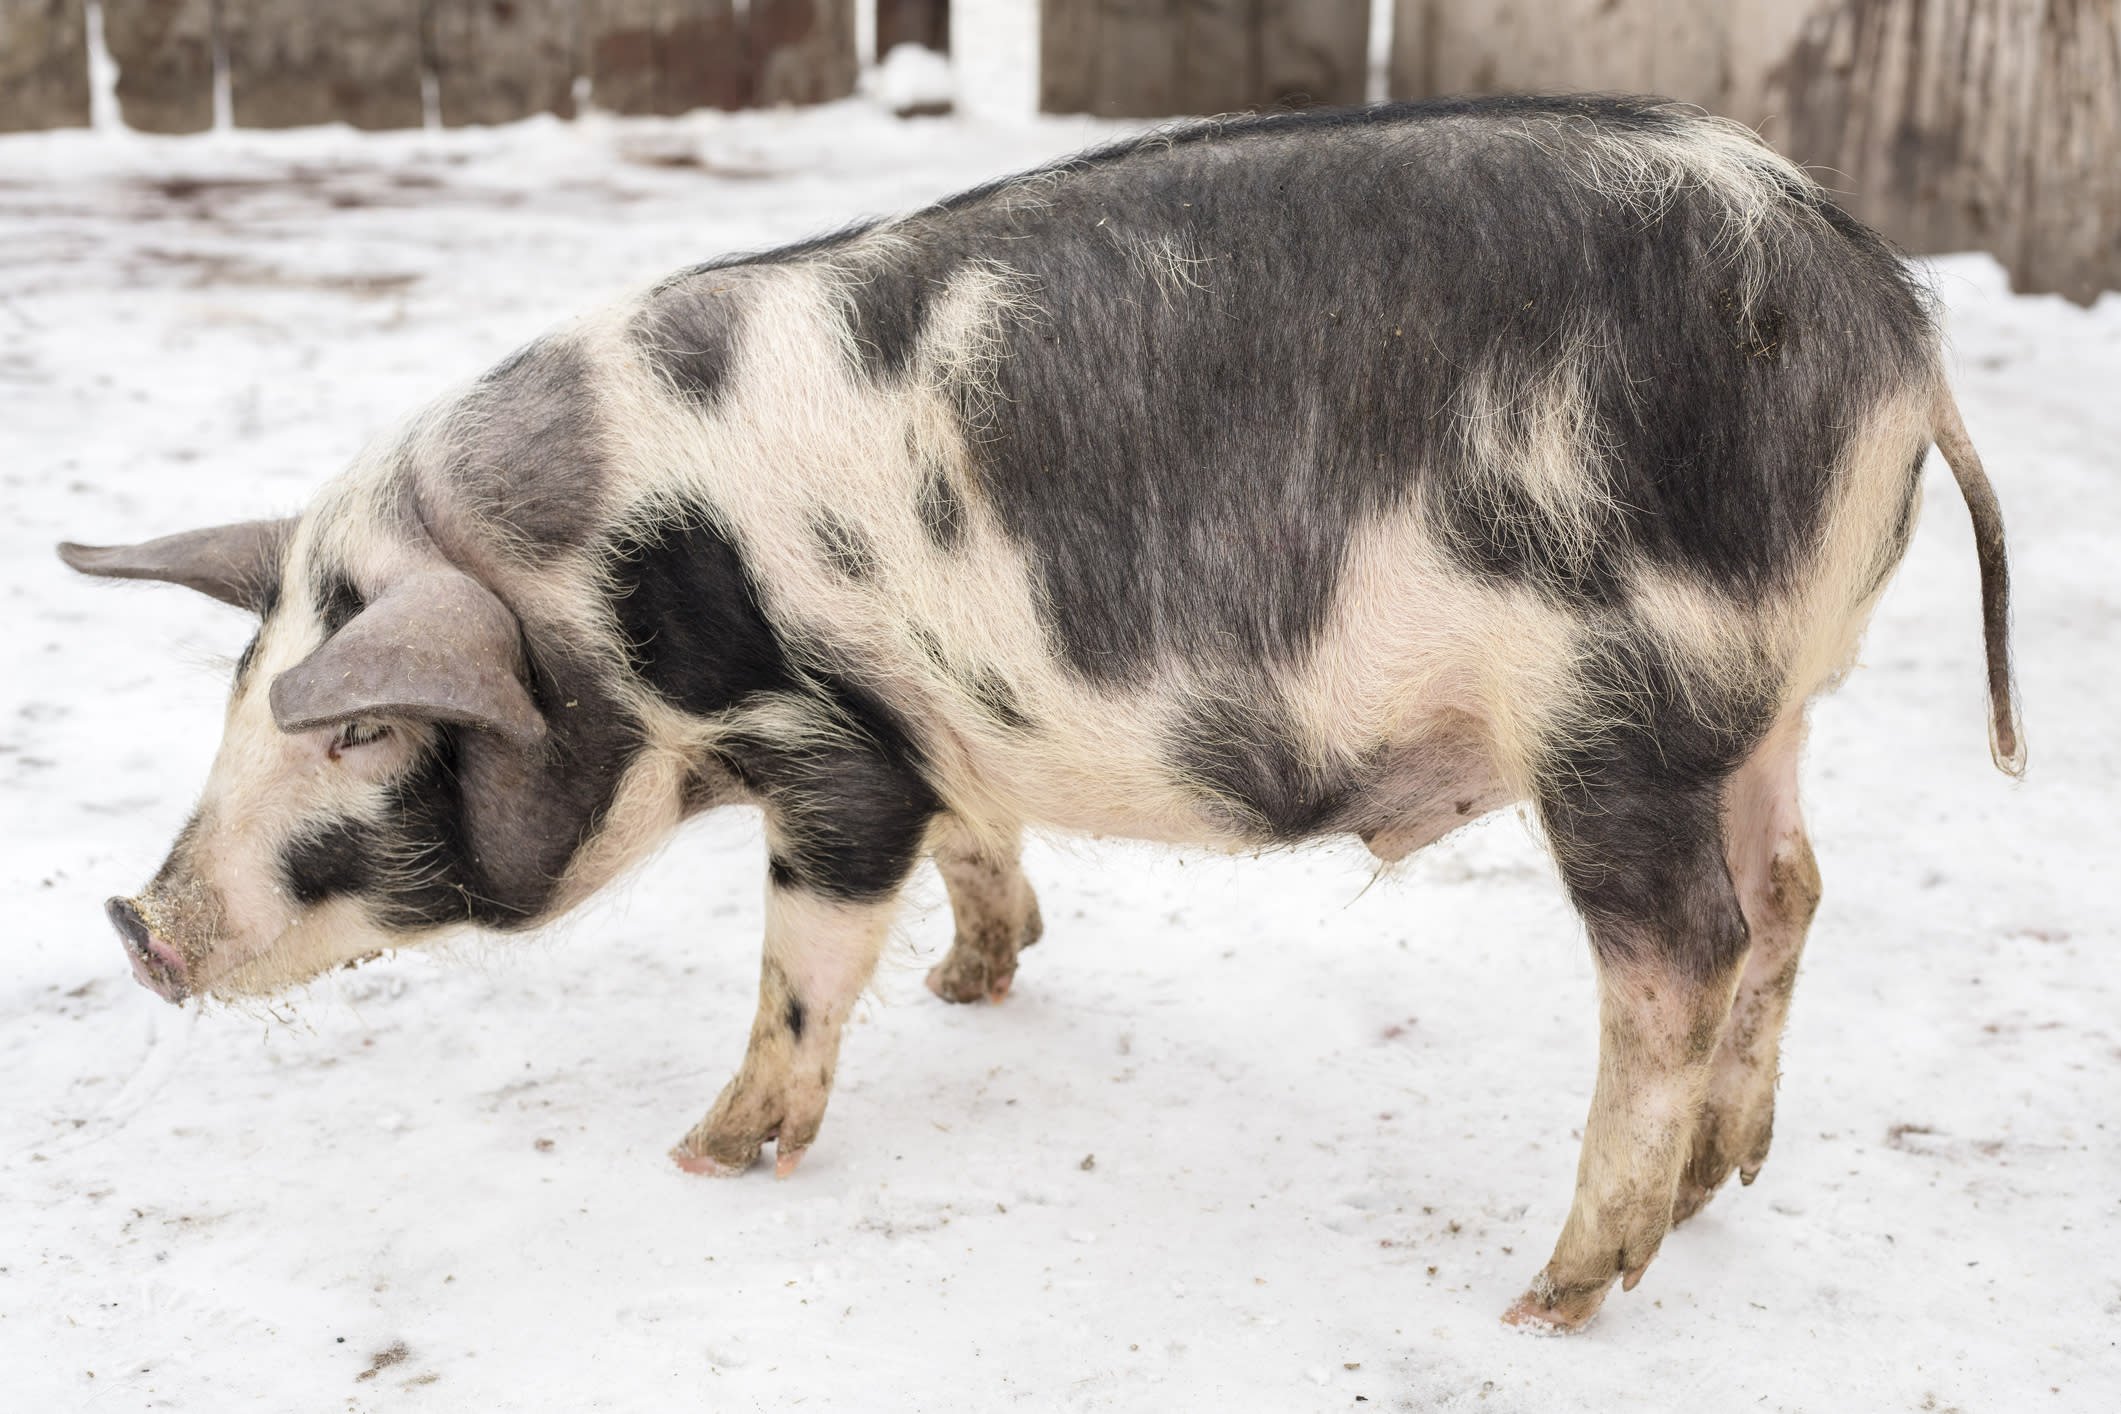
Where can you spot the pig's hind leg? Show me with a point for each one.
(1777, 879)
(995, 911)
(1635, 815)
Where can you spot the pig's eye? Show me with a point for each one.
(355, 734)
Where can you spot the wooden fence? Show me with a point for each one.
(1949, 124)
(365, 62)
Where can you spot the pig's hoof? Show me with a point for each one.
(1691, 1198)
(968, 976)
(1548, 1309)
(780, 1106)
(694, 1162)
(1723, 1144)
(982, 963)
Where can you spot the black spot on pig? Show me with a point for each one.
(337, 600)
(989, 690)
(528, 453)
(1756, 330)
(1496, 530)
(690, 612)
(995, 697)
(851, 806)
(845, 548)
(688, 333)
(1245, 757)
(796, 1017)
(886, 311)
(1633, 803)
(942, 511)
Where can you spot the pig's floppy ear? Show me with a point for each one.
(436, 645)
(237, 564)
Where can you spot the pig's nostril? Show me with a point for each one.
(127, 920)
(158, 965)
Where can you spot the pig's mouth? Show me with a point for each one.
(156, 965)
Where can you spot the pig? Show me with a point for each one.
(1256, 481)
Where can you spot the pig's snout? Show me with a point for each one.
(158, 966)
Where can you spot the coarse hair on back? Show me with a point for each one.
(1645, 154)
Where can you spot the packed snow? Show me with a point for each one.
(1258, 1133)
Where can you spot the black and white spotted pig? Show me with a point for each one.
(1260, 480)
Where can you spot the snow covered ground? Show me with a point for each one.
(1249, 1134)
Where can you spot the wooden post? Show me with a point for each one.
(1313, 51)
(1146, 58)
(665, 56)
(1410, 69)
(164, 50)
(2071, 242)
(1067, 50)
(620, 43)
(1217, 57)
(1672, 47)
(1136, 59)
(802, 50)
(43, 65)
(498, 60)
(1968, 124)
(1162, 58)
(922, 22)
(1948, 124)
(292, 63)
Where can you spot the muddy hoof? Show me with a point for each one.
(1691, 1198)
(705, 1164)
(1547, 1310)
(960, 979)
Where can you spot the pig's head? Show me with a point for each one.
(331, 825)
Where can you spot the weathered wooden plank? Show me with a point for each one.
(623, 44)
(1129, 58)
(1136, 63)
(43, 65)
(666, 56)
(292, 63)
(1968, 125)
(164, 50)
(1409, 68)
(709, 61)
(1673, 47)
(2071, 242)
(802, 51)
(1218, 56)
(1948, 124)
(1067, 55)
(1313, 51)
(1919, 112)
(922, 22)
(1162, 58)
(620, 41)
(495, 61)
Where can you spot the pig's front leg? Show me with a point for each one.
(846, 817)
(819, 955)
